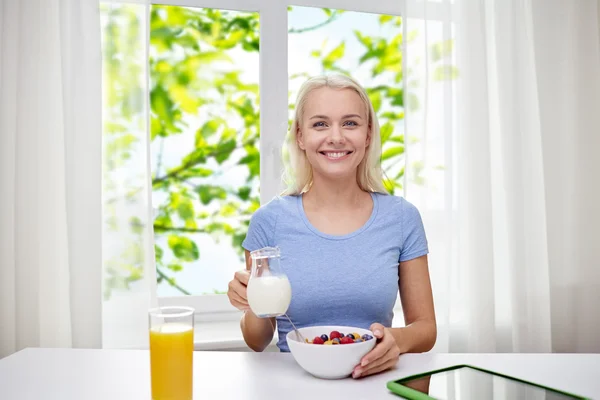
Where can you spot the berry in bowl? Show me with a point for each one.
(330, 352)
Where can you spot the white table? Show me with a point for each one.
(124, 374)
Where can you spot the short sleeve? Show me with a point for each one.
(261, 229)
(414, 240)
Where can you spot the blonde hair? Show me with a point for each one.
(298, 174)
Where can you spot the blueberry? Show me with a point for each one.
(341, 335)
(351, 336)
(367, 337)
(324, 337)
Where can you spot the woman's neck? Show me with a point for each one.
(334, 194)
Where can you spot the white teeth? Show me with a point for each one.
(336, 155)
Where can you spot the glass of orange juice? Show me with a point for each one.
(171, 352)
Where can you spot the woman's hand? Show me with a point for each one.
(383, 356)
(237, 290)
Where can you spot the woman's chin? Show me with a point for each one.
(337, 173)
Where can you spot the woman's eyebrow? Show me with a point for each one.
(344, 117)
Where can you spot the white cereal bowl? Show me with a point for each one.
(328, 361)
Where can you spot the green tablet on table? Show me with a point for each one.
(465, 382)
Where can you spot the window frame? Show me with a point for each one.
(273, 90)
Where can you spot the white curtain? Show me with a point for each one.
(75, 241)
(506, 141)
(50, 169)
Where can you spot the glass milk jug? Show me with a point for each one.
(269, 290)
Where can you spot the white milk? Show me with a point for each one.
(269, 296)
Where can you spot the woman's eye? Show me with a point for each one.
(319, 124)
(350, 123)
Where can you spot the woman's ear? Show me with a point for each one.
(300, 139)
(368, 141)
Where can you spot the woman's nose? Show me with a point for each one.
(336, 135)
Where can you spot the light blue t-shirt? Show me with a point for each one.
(347, 280)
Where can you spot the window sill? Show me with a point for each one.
(217, 323)
(223, 335)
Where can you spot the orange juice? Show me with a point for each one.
(171, 354)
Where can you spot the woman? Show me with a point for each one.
(347, 246)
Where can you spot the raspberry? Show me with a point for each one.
(318, 340)
(334, 334)
(346, 340)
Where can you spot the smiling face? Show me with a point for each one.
(334, 132)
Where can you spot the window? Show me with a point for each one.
(223, 78)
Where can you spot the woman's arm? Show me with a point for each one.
(420, 333)
(257, 332)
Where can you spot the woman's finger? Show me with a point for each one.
(240, 306)
(242, 276)
(236, 297)
(361, 370)
(384, 367)
(378, 330)
(389, 355)
(239, 289)
(378, 351)
(239, 303)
